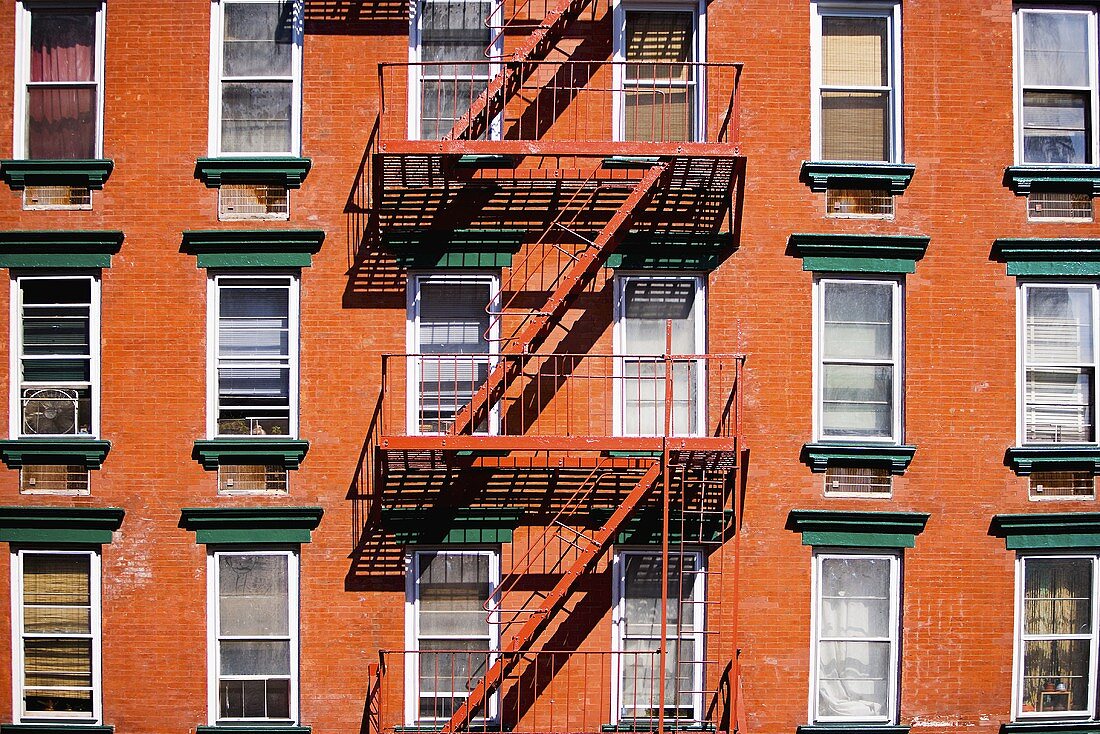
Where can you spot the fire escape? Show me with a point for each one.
(572, 167)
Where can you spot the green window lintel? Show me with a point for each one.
(285, 452)
(824, 175)
(485, 160)
(91, 173)
(251, 525)
(251, 248)
(459, 248)
(846, 728)
(59, 248)
(1048, 530)
(859, 529)
(653, 725)
(253, 729)
(412, 526)
(820, 456)
(59, 525)
(86, 452)
(1025, 179)
(1049, 256)
(1026, 459)
(644, 526)
(288, 171)
(858, 253)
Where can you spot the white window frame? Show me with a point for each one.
(898, 361)
(619, 10)
(1018, 713)
(618, 626)
(1022, 286)
(412, 339)
(618, 336)
(96, 635)
(212, 346)
(23, 10)
(217, 23)
(412, 625)
(894, 558)
(892, 12)
(213, 625)
(1093, 145)
(493, 61)
(15, 414)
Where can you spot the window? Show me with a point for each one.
(453, 340)
(855, 637)
(1059, 362)
(254, 335)
(657, 50)
(56, 620)
(637, 621)
(856, 77)
(451, 40)
(56, 359)
(59, 80)
(859, 359)
(256, 77)
(644, 306)
(1056, 85)
(448, 626)
(254, 636)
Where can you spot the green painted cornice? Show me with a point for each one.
(459, 248)
(251, 248)
(485, 160)
(858, 253)
(466, 525)
(1025, 179)
(285, 452)
(1049, 256)
(54, 729)
(824, 175)
(1026, 459)
(57, 525)
(86, 452)
(820, 456)
(288, 171)
(845, 728)
(50, 248)
(858, 529)
(653, 725)
(1051, 727)
(250, 525)
(1048, 530)
(90, 173)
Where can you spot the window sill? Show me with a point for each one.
(54, 728)
(646, 725)
(87, 452)
(1039, 727)
(820, 456)
(285, 452)
(288, 171)
(852, 728)
(1025, 459)
(87, 173)
(253, 729)
(1025, 179)
(824, 175)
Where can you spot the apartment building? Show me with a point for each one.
(550, 366)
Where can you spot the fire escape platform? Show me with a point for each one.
(595, 149)
(492, 444)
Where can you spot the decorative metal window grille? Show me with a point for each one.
(858, 481)
(856, 203)
(57, 197)
(253, 201)
(53, 479)
(1069, 205)
(1060, 484)
(252, 479)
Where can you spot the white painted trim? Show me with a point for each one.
(897, 420)
(894, 559)
(22, 68)
(891, 11)
(96, 634)
(217, 24)
(212, 626)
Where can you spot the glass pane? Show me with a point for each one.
(640, 684)
(452, 30)
(258, 657)
(1058, 404)
(254, 322)
(855, 51)
(1057, 127)
(648, 304)
(643, 390)
(659, 36)
(61, 122)
(454, 317)
(1059, 325)
(253, 595)
(62, 45)
(853, 679)
(642, 593)
(1056, 675)
(254, 699)
(448, 666)
(56, 411)
(1057, 596)
(256, 117)
(1055, 49)
(855, 597)
(259, 39)
(659, 113)
(857, 400)
(855, 126)
(859, 320)
(51, 700)
(64, 662)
